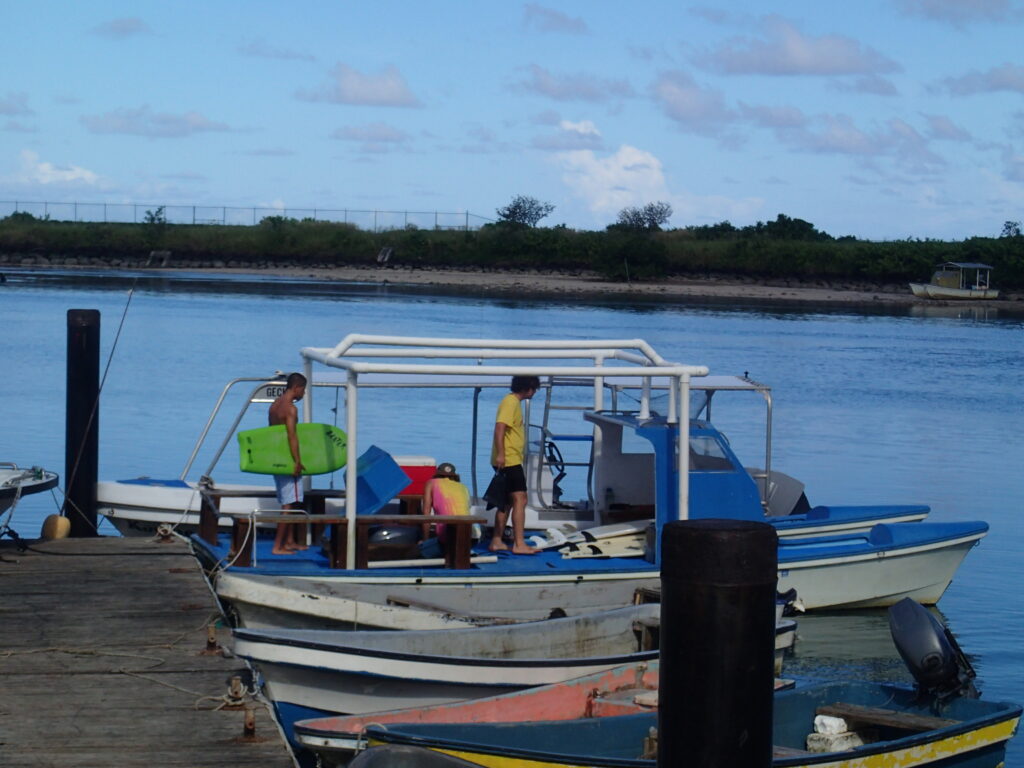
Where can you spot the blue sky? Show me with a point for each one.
(880, 119)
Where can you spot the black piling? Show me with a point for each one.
(718, 581)
(81, 448)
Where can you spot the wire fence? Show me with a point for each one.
(225, 215)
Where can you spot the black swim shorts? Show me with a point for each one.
(515, 479)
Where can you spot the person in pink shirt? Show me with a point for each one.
(444, 494)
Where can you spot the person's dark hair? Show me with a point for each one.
(523, 383)
(295, 380)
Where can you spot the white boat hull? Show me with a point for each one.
(137, 509)
(266, 602)
(17, 482)
(357, 672)
(877, 580)
(930, 291)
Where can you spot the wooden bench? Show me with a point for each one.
(457, 552)
(855, 714)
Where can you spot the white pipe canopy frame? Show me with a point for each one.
(359, 353)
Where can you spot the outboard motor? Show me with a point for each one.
(930, 652)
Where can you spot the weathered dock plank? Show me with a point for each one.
(101, 662)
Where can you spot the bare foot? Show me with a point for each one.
(523, 549)
(295, 547)
(282, 551)
(498, 546)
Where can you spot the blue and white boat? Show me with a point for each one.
(560, 449)
(890, 726)
(634, 455)
(942, 721)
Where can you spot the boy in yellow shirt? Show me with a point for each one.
(507, 451)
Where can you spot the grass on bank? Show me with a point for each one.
(778, 250)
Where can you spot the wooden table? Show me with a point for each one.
(315, 502)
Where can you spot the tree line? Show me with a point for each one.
(637, 246)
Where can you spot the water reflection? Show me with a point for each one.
(847, 644)
(955, 312)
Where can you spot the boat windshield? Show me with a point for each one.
(706, 455)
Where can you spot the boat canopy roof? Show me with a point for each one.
(588, 359)
(471, 381)
(963, 265)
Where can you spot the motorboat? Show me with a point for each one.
(887, 725)
(307, 673)
(17, 482)
(608, 719)
(634, 455)
(958, 280)
(564, 491)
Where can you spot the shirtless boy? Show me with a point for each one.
(289, 487)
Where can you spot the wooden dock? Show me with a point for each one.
(102, 662)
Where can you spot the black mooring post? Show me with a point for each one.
(718, 581)
(81, 449)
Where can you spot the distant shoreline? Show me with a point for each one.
(719, 289)
(590, 284)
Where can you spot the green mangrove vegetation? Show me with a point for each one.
(634, 248)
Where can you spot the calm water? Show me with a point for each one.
(869, 408)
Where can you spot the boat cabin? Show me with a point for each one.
(963, 276)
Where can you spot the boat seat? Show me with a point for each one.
(855, 714)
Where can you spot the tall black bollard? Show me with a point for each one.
(718, 581)
(81, 449)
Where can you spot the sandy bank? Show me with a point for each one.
(583, 284)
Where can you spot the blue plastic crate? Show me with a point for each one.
(378, 480)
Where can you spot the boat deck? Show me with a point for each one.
(101, 661)
(313, 562)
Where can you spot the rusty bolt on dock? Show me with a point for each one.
(212, 646)
(249, 728)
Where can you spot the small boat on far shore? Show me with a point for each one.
(952, 280)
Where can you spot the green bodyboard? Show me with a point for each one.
(265, 451)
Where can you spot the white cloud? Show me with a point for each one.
(583, 127)
(261, 49)
(941, 127)
(782, 49)
(269, 152)
(35, 172)
(692, 107)
(633, 177)
(872, 84)
(144, 122)
(572, 87)
(15, 104)
(570, 136)
(387, 88)
(548, 20)
(119, 29)
(17, 126)
(376, 132)
(608, 184)
(374, 137)
(958, 12)
(1006, 77)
